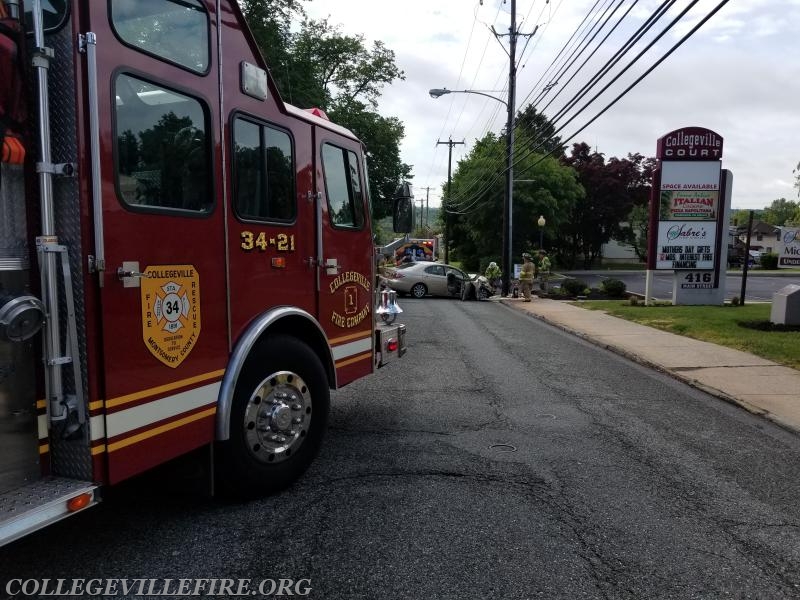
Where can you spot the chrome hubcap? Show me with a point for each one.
(277, 417)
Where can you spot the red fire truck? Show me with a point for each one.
(185, 259)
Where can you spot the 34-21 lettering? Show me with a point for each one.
(282, 242)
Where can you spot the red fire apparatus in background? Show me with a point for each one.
(185, 259)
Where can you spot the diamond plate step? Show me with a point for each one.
(33, 506)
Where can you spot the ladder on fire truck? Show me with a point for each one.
(30, 500)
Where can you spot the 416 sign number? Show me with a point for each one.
(697, 280)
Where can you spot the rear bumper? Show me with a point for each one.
(390, 343)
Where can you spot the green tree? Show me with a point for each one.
(780, 211)
(270, 21)
(382, 137)
(741, 216)
(538, 132)
(613, 188)
(476, 204)
(318, 66)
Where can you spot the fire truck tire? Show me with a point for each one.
(278, 419)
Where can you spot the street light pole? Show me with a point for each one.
(508, 200)
(506, 252)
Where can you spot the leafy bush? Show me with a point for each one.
(735, 301)
(574, 287)
(614, 287)
(769, 261)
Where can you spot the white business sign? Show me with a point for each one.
(789, 249)
(687, 218)
(686, 245)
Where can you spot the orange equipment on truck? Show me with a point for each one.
(185, 259)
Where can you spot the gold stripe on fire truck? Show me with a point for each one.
(163, 388)
(161, 429)
(344, 363)
(352, 336)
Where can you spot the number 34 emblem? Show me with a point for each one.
(170, 312)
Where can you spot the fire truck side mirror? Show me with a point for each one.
(403, 209)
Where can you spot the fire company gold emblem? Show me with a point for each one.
(170, 312)
(354, 309)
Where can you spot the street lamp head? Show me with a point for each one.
(541, 221)
(436, 92)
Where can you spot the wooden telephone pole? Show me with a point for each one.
(450, 143)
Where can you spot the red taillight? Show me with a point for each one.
(392, 345)
(397, 275)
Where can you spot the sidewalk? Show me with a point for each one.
(756, 384)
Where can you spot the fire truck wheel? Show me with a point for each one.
(278, 418)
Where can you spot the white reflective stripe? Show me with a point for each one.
(146, 414)
(97, 426)
(357, 347)
(42, 424)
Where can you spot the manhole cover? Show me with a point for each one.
(503, 447)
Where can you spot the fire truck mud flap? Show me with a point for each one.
(390, 343)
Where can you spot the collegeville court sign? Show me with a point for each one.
(689, 211)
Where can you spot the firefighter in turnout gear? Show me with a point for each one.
(543, 270)
(526, 275)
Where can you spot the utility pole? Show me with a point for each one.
(508, 202)
(421, 212)
(427, 197)
(450, 143)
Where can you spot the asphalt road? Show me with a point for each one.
(502, 458)
(758, 287)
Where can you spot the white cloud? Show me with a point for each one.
(739, 76)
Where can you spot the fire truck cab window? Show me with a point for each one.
(343, 185)
(175, 30)
(263, 172)
(162, 150)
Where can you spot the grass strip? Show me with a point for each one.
(745, 328)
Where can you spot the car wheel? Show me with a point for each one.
(419, 290)
(278, 419)
(483, 294)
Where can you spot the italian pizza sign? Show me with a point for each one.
(170, 312)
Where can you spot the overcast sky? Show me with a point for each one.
(739, 76)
